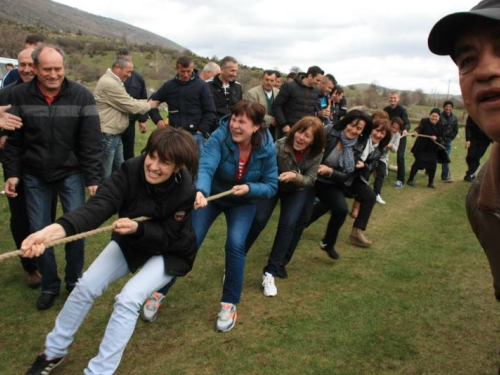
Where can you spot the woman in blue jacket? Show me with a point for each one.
(239, 155)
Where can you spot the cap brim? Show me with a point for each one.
(444, 33)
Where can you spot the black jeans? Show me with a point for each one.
(401, 159)
(128, 141)
(332, 198)
(290, 210)
(381, 172)
(474, 154)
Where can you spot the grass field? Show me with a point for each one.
(420, 301)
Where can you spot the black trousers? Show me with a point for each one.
(474, 154)
(332, 198)
(128, 140)
(430, 168)
(401, 159)
(381, 172)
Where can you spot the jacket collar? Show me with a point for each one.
(33, 88)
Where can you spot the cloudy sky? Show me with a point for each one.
(358, 41)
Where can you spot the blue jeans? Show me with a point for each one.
(71, 191)
(108, 267)
(238, 220)
(445, 171)
(200, 142)
(291, 208)
(112, 155)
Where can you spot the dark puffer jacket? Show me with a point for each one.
(168, 233)
(294, 101)
(190, 104)
(224, 103)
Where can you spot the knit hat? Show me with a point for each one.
(435, 110)
(444, 33)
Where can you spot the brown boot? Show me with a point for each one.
(358, 238)
(355, 209)
(33, 279)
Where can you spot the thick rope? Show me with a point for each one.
(424, 136)
(90, 233)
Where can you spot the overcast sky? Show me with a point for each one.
(357, 41)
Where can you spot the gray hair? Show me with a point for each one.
(35, 55)
(226, 60)
(211, 66)
(121, 62)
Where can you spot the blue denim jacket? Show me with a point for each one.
(219, 164)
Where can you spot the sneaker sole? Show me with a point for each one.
(270, 295)
(48, 371)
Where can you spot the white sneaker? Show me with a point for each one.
(270, 289)
(149, 310)
(379, 199)
(226, 318)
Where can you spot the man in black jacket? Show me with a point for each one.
(225, 89)
(450, 131)
(394, 109)
(190, 102)
(136, 88)
(58, 147)
(297, 98)
(19, 222)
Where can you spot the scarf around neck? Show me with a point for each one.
(346, 159)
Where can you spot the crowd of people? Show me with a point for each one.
(294, 142)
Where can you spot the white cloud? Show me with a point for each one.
(359, 41)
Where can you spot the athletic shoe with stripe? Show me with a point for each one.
(270, 289)
(226, 318)
(43, 366)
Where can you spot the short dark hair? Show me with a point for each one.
(268, 72)
(124, 51)
(319, 137)
(291, 75)
(278, 74)
(184, 61)
(397, 120)
(35, 55)
(255, 112)
(338, 89)
(174, 145)
(9, 64)
(227, 60)
(354, 116)
(34, 39)
(332, 79)
(448, 102)
(314, 71)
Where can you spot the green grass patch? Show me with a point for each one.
(420, 301)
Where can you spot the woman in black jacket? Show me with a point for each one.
(345, 143)
(158, 184)
(425, 149)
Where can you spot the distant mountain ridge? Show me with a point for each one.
(57, 17)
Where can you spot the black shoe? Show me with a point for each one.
(282, 274)
(329, 250)
(431, 186)
(468, 178)
(410, 183)
(43, 366)
(70, 288)
(45, 301)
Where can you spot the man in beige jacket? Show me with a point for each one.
(114, 105)
(265, 95)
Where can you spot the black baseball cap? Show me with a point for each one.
(446, 30)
